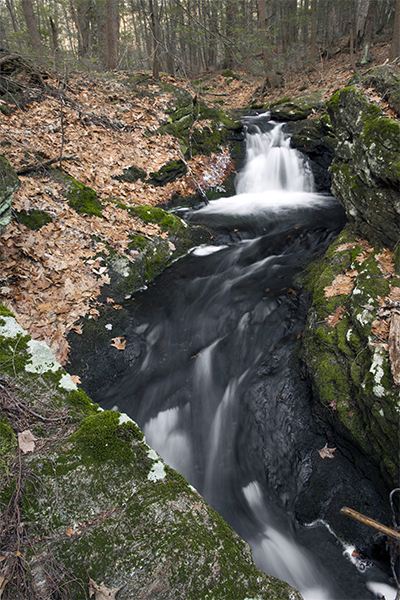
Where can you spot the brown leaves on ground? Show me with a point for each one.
(335, 317)
(326, 452)
(342, 284)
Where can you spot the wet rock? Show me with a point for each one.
(9, 182)
(132, 174)
(314, 138)
(366, 169)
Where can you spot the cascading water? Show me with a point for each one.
(213, 386)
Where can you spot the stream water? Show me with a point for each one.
(213, 383)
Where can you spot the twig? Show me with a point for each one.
(38, 165)
(392, 533)
(198, 186)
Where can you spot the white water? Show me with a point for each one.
(275, 182)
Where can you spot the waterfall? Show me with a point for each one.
(210, 378)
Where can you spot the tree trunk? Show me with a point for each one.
(156, 46)
(112, 35)
(55, 43)
(395, 47)
(263, 17)
(313, 53)
(33, 31)
(362, 21)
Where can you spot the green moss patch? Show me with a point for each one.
(172, 170)
(33, 219)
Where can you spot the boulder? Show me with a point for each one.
(9, 182)
(97, 510)
(366, 169)
(296, 109)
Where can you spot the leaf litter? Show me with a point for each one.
(53, 276)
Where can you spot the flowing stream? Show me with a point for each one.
(214, 385)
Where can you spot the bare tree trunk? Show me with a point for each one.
(56, 47)
(263, 17)
(313, 53)
(156, 46)
(33, 30)
(362, 21)
(112, 35)
(395, 47)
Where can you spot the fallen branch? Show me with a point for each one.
(196, 183)
(392, 533)
(38, 165)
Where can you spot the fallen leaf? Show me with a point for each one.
(335, 317)
(326, 452)
(26, 441)
(119, 343)
(380, 328)
(386, 263)
(70, 531)
(342, 284)
(101, 592)
(76, 379)
(333, 404)
(109, 301)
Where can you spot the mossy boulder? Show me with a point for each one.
(366, 169)
(296, 109)
(33, 219)
(132, 174)
(169, 172)
(386, 82)
(81, 198)
(348, 365)
(101, 504)
(218, 127)
(9, 182)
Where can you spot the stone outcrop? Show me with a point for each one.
(9, 182)
(366, 169)
(96, 505)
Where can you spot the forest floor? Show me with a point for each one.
(52, 276)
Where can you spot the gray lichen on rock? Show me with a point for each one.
(100, 503)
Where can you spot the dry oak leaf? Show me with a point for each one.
(380, 328)
(335, 317)
(26, 441)
(386, 263)
(119, 343)
(76, 379)
(101, 592)
(326, 452)
(342, 284)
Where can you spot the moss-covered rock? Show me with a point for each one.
(169, 172)
(81, 198)
(219, 127)
(33, 219)
(386, 82)
(9, 182)
(100, 503)
(296, 109)
(132, 174)
(366, 169)
(348, 367)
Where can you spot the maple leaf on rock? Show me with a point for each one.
(119, 343)
(326, 452)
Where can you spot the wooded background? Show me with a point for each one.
(191, 37)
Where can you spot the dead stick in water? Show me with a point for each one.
(371, 523)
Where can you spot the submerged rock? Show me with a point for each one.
(101, 506)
